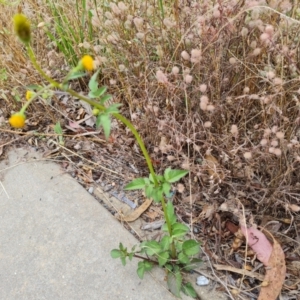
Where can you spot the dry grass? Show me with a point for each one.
(212, 88)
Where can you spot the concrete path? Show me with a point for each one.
(55, 239)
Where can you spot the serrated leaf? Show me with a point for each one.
(149, 191)
(194, 263)
(157, 194)
(174, 280)
(138, 183)
(163, 258)
(174, 175)
(141, 269)
(104, 121)
(170, 213)
(75, 75)
(105, 98)
(113, 108)
(165, 243)
(166, 188)
(115, 253)
(152, 248)
(190, 247)
(93, 83)
(189, 290)
(183, 258)
(165, 228)
(179, 229)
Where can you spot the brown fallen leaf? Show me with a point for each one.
(137, 212)
(275, 273)
(213, 167)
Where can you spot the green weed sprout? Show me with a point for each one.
(175, 252)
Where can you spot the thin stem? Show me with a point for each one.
(173, 249)
(161, 7)
(34, 97)
(122, 119)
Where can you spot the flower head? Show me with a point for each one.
(17, 120)
(29, 95)
(22, 27)
(87, 63)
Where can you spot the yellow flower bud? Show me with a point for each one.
(17, 120)
(29, 95)
(22, 27)
(96, 111)
(87, 63)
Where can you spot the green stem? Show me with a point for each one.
(122, 119)
(173, 249)
(161, 7)
(34, 97)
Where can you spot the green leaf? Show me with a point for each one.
(149, 190)
(163, 258)
(165, 228)
(93, 84)
(75, 75)
(194, 263)
(166, 188)
(183, 258)
(113, 108)
(123, 260)
(136, 184)
(172, 176)
(179, 229)
(157, 194)
(115, 253)
(141, 269)
(130, 256)
(105, 98)
(170, 212)
(57, 128)
(151, 248)
(189, 290)
(105, 122)
(190, 247)
(178, 245)
(148, 265)
(174, 280)
(165, 242)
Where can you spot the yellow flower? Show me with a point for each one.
(29, 95)
(17, 120)
(22, 27)
(87, 63)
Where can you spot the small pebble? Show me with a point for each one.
(196, 230)
(202, 280)
(91, 189)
